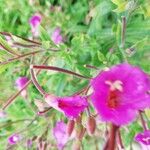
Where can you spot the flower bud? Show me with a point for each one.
(80, 130)
(34, 138)
(91, 125)
(70, 127)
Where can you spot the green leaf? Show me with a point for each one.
(44, 35)
(101, 56)
(121, 5)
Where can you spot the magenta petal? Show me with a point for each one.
(143, 138)
(56, 36)
(120, 91)
(70, 106)
(2, 114)
(60, 135)
(13, 139)
(35, 20)
(21, 81)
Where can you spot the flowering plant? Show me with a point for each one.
(74, 74)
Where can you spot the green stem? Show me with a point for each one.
(122, 48)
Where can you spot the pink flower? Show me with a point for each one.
(20, 83)
(56, 36)
(60, 134)
(35, 21)
(143, 138)
(2, 114)
(13, 139)
(70, 106)
(120, 92)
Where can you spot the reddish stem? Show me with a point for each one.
(91, 67)
(60, 70)
(9, 51)
(12, 98)
(142, 120)
(111, 142)
(21, 56)
(120, 140)
(31, 41)
(35, 82)
(44, 111)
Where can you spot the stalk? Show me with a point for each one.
(59, 70)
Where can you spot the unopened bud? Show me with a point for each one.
(34, 138)
(80, 131)
(45, 146)
(91, 125)
(79, 120)
(70, 127)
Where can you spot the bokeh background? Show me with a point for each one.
(91, 31)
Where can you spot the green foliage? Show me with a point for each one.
(91, 30)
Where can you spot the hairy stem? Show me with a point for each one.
(12, 98)
(19, 57)
(35, 82)
(60, 70)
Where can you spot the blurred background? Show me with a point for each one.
(89, 36)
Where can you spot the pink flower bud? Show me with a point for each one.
(91, 125)
(70, 127)
(80, 131)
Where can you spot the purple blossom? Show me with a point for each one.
(29, 143)
(70, 106)
(56, 36)
(120, 92)
(34, 22)
(21, 81)
(2, 114)
(143, 137)
(59, 132)
(13, 139)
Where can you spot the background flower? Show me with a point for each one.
(60, 134)
(35, 21)
(13, 139)
(56, 36)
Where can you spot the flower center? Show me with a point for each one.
(113, 100)
(146, 140)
